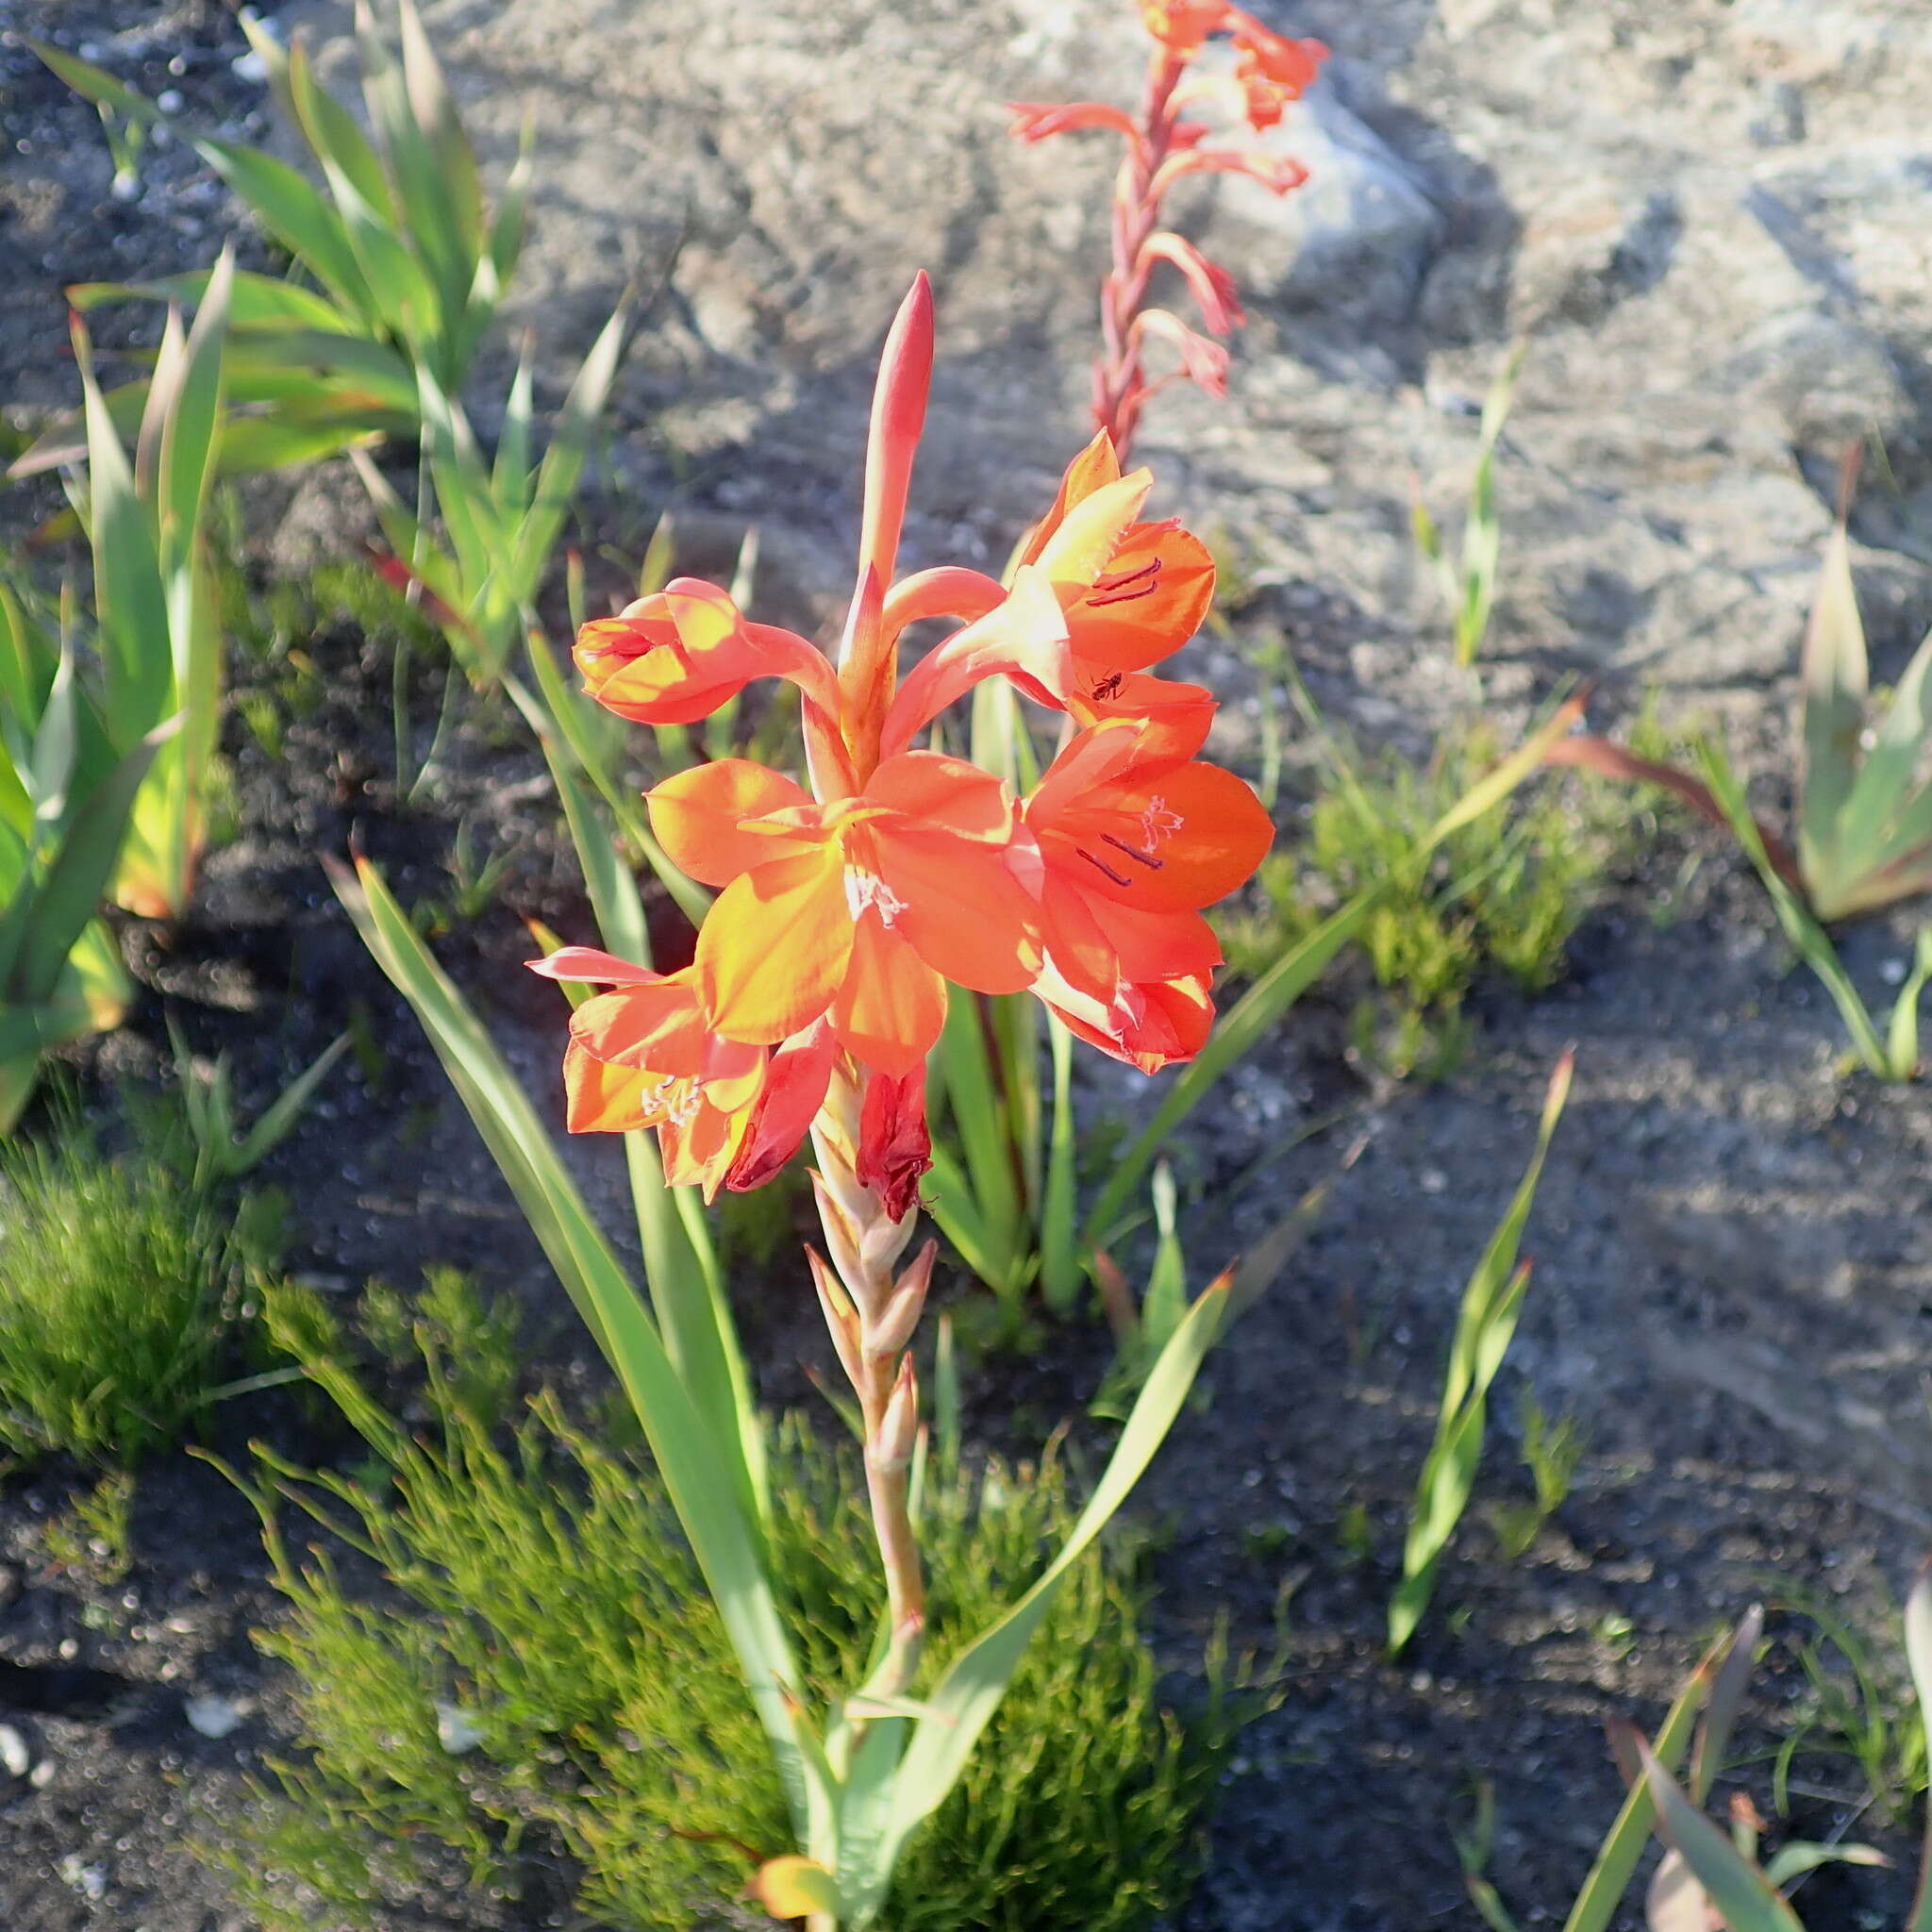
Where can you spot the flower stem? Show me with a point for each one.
(872, 1313)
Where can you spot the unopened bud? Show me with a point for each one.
(841, 1237)
(899, 1431)
(893, 1329)
(882, 1242)
(842, 1317)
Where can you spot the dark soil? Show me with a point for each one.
(1731, 1292)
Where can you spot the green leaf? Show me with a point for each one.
(1623, 1844)
(131, 603)
(279, 1117)
(40, 927)
(1833, 680)
(1736, 1888)
(190, 416)
(962, 1063)
(1808, 938)
(1484, 1328)
(1901, 1037)
(331, 131)
(570, 442)
(298, 216)
(1918, 1622)
(1060, 1253)
(686, 1452)
(94, 84)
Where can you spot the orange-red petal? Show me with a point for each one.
(889, 1010)
(773, 947)
(698, 817)
(961, 908)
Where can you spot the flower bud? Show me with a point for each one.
(899, 1431)
(893, 1329)
(841, 1237)
(842, 1317)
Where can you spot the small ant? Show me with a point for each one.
(1109, 686)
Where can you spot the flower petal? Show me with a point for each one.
(961, 908)
(889, 1010)
(1173, 843)
(598, 1098)
(796, 1081)
(586, 966)
(773, 947)
(698, 817)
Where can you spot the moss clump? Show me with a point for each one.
(541, 1706)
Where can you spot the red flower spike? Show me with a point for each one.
(1163, 147)
(1036, 121)
(894, 1144)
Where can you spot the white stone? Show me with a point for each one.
(213, 1717)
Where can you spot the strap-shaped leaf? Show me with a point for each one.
(130, 603)
(331, 131)
(1918, 1657)
(96, 85)
(1739, 1893)
(298, 217)
(43, 921)
(1833, 680)
(562, 467)
(189, 418)
(685, 1451)
(1623, 1844)
(1485, 1326)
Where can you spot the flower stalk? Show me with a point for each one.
(872, 1314)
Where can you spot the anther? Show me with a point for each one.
(1127, 587)
(1119, 878)
(1133, 851)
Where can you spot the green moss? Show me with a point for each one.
(113, 1285)
(540, 1601)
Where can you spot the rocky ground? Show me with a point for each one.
(1710, 222)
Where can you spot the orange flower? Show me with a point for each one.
(857, 909)
(642, 1057)
(674, 657)
(1272, 70)
(1096, 597)
(1134, 838)
(1181, 26)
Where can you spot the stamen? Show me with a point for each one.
(1119, 878)
(863, 889)
(1133, 851)
(1127, 586)
(1157, 821)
